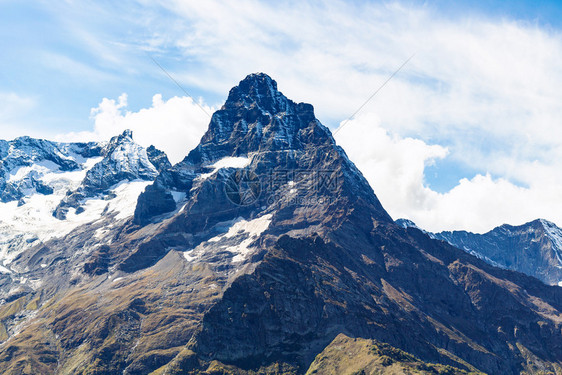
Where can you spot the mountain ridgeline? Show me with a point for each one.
(534, 248)
(264, 251)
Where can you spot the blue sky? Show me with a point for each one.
(67, 57)
(479, 101)
(546, 13)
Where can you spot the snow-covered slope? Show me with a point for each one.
(39, 177)
(24, 161)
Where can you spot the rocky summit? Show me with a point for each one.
(265, 251)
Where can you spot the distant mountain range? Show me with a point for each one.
(534, 248)
(265, 251)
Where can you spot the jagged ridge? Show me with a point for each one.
(122, 160)
(534, 248)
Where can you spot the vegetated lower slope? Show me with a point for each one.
(357, 356)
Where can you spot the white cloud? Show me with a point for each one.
(481, 203)
(395, 166)
(174, 126)
(488, 89)
(484, 92)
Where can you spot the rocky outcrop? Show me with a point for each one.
(284, 140)
(158, 159)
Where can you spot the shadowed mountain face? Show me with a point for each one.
(534, 248)
(253, 254)
(282, 139)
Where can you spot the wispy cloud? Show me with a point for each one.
(12, 104)
(486, 89)
(175, 125)
(76, 69)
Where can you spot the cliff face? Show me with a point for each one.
(252, 255)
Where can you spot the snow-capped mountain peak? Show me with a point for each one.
(250, 256)
(47, 189)
(123, 160)
(128, 156)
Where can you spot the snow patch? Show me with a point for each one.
(189, 257)
(89, 163)
(178, 196)
(21, 226)
(239, 227)
(232, 162)
(227, 162)
(252, 229)
(127, 195)
(64, 181)
(37, 169)
(124, 203)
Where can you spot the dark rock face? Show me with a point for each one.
(332, 260)
(152, 202)
(158, 158)
(305, 292)
(534, 249)
(280, 136)
(255, 252)
(98, 262)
